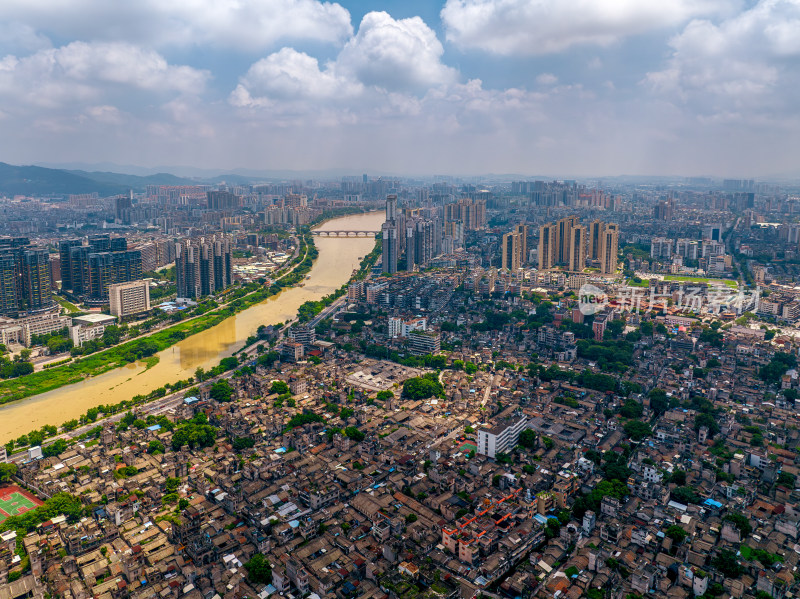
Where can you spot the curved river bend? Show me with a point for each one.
(333, 267)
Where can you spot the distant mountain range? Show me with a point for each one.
(109, 179)
(37, 180)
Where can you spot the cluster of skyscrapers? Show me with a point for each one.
(420, 234)
(87, 271)
(569, 244)
(203, 266)
(24, 277)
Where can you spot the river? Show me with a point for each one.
(333, 267)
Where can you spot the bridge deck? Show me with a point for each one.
(361, 234)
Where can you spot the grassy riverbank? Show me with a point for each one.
(95, 414)
(145, 348)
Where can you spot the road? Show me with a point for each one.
(157, 406)
(154, 408)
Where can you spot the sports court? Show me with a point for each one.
(467, 446)
(14, 501)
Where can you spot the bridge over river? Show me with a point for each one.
(344, 234)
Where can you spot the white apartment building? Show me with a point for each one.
(129, 298)
(401, 328)
(88, 327)
(501, 437)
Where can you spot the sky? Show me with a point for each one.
(417, 87)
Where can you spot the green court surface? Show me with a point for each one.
(468, 446)
(13, 504)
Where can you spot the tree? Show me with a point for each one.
(59, 446)
(423, 387)
(384, 395)
(741, 522)
(221, 391)
(258, 570)
(637, 430)
(241, 443)
(685, 495)
(411, 518)
(725, 561)
(631, 409)
(352, 433)
(676, 533)
(527, 439)
(678, 477)
(279, 387)
(552, 528)
(155, 447)
(659, 402)
(7, 471)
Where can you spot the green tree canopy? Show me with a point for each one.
(221, 391)
(279, 387)
(258, 570)
(423, 387)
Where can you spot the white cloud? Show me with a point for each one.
(402, 54)
(531, 27)
(243, 24)
(382, 69)
(546, 79)
(744, 68)
(16, 37)
(104, 114)
(86, 71)
(289, 74)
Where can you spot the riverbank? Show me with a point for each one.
(146, 346)
(336, 260)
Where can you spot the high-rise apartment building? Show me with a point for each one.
(391, 208)
(127, 299)
(66, 263)
(203, 267)
(471, 212)
(24, 277)
(8, 284)
(524, 233)
(100, 242)
(609, 250)
(392, 235)
(577, 248)
(512, 250)
(79, 270)
(688, 248)
(563, 238)
(660, 247)
(595, 230)
(389, 247)
(547, 246)
(36, 292)
(107, 268)
(664, 210)
(222, 200)
(420, 242)
(123, 206)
